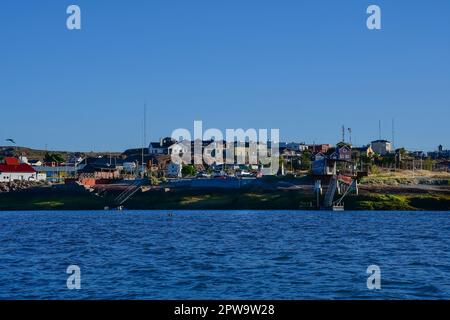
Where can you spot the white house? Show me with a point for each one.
(35, 162)
(74, 159)
(129, 167)
(13, 170)
(381, 147)
(23, 159)
(180, 149)
(161, 147)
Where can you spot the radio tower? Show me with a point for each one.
(379, 129)
(393, 133)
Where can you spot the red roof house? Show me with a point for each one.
(10, 161)
(19, 168)
(11, 170)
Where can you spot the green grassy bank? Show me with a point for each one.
(51, 199)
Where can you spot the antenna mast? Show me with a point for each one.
(379, 129)
(393, 133)
(144, 136)
(145, 124)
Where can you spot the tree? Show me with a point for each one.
(54, 157)
(189, 170)
(428, 164)
(296, 163)
(305, 160)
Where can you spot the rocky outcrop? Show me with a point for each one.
(21, 185)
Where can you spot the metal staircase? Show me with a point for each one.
(352, 186)
(331, 190)
(129, 192)
(344, 185)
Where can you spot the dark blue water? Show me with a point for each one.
(224, 255)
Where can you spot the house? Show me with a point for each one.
(55, 174)
(23, 159)
(303, 147)
(11, 161)
(173, 170)
(382, 147)
(443, 166)
(92, 171)
(297, 146)
(343, 153)
(35, 162)
(102, 161)
(13, 170)
(161, 147)
(335, 160)
(293, 145)
(418, 154)
(186, 150)
(288, 153)
(182, 149)
(323, 166)
(130, 167)
(74, 158)
(322, 148)
(246, 152)
(440, 153)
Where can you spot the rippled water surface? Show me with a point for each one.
(224, 255)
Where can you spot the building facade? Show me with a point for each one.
(173, 170)
(382, 147)
(13, 170)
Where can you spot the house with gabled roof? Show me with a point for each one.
(12, 170)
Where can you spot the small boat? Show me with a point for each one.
(337, 207)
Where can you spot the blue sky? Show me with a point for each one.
(306, 67)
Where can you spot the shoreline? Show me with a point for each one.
(370, 198)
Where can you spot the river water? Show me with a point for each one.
(224, 254)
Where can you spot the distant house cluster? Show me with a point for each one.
(156, 160)
(440, 153)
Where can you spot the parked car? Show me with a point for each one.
(203, 175)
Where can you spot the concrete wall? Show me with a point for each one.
(26, 176)
(229, 183)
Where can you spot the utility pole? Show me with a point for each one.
(144, 136)
(145, 124)
(393, 133)
(379, 129)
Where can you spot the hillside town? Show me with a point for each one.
(155, 161)
(321, 170)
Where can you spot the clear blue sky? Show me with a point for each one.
(306, 67)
